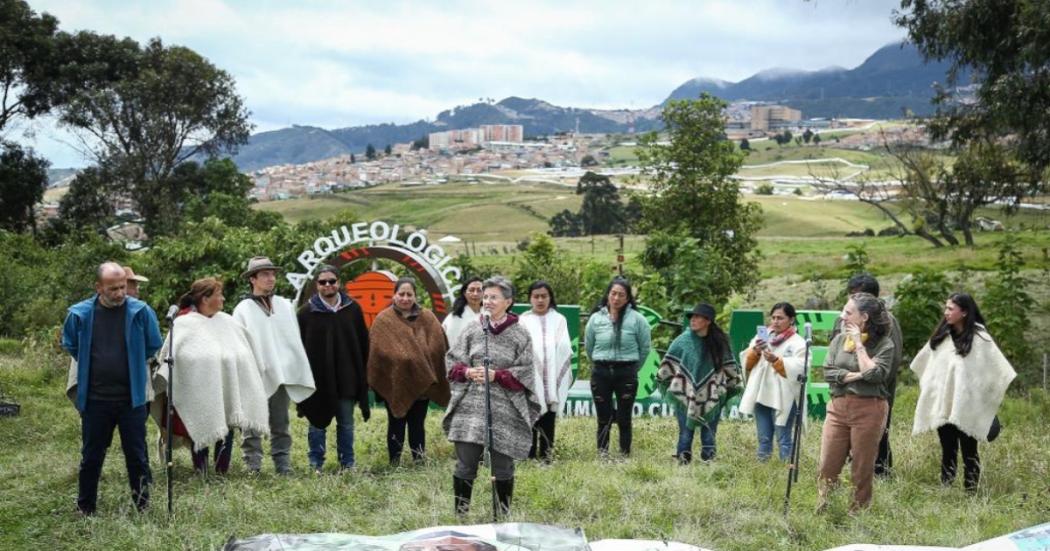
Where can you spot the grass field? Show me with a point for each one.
(733, 503)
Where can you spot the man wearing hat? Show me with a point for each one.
(286, 374)
(133, 282)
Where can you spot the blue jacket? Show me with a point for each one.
(141, 335)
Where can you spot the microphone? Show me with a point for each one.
(808, 331)
(486, 320)
(172, 311)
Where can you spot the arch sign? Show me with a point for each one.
(428, 262)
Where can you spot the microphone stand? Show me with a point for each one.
(797, 432)
(486, 325)
(170, 407)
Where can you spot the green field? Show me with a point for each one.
(733, 503)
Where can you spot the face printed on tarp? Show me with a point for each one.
(373, 291)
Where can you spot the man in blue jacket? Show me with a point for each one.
(111, 335)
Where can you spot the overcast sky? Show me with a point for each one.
(335, 63)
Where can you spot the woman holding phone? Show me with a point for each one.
(772, 364)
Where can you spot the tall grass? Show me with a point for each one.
(729, 504)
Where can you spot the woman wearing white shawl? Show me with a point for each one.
(466, 309)
(961, 385)
(552, 356)
(773, 365)
(217, 385)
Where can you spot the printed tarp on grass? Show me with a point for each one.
(540, 537)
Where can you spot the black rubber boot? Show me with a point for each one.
(504, 492)
(462, 489)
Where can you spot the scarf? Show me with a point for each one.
(779, 338)
(849, 345)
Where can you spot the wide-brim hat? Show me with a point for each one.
(131, 275)
(704, 310)
(258, 264)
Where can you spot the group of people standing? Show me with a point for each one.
(502, 378)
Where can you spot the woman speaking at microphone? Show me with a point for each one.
(504, 343)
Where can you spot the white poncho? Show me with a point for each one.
(278, 347)
(765, 386)
(454, 325)
(217, 384)
(965, 391)
(552, 356)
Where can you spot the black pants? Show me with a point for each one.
(884, 461)
(414, 420)
(223, 452)
(607, 379)
(952, 439)
(543, 436)
(469, 456)
(98, 420)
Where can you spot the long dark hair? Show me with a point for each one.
(604, 303)
(963, 341)
(461, 297)
(541, 284)
(716, 344)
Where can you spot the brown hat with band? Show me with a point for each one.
(131, 275)
(258, 264)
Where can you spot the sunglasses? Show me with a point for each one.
(327, 281)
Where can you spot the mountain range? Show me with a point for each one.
(893, 80)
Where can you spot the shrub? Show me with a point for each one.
(919, 307)
(765, 188)
(1007, 307)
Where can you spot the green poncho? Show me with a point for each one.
(691, 381)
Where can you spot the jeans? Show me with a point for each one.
(952, 440)
(415, 421)
(621, 379)
(344, 437)
(766, 427)
(685, 438)
(98, 420)
(280, 437)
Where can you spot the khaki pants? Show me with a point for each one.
(854, 424)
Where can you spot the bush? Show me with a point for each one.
(1007, 308)
(919, 307)
(10, 347)
(765, 188)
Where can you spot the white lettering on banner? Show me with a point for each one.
(581, 408)
(637, 410)
(377, 231)
(324, 246)
(419, 239)
(359, 231)
(376, 235)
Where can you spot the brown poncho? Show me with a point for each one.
(406, 359)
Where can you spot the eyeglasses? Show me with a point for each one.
(327, 281)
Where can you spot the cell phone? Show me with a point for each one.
(763, 333)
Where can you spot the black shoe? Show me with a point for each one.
(684, 458)
(462, 490)
(504, 492)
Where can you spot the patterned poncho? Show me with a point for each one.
(513, 411)
(690, 380)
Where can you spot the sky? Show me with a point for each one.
(335, 64)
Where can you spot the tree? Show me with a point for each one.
(694, 194)
(352, 159)
(23, 179)
(1003, 42)
(816, 139)
(745, 145)
(588, 160)
(422, 143)
(566, 224)
(387, 149)
(26, 58)
(146, 111)
(370, 152)
(602, 210)
(807, 135)
(88, 205)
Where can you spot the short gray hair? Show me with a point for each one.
(505, 287)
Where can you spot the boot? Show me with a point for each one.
(504, 491)
(462, 489)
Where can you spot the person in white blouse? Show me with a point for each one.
(466, 309)
(552, 356)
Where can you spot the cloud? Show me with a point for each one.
(332, 63)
